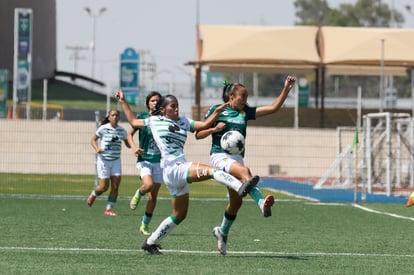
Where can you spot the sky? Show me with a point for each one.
(163, 31)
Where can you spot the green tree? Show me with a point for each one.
(364, 13)
(311, 12)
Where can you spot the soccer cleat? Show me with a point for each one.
(410, 201)
(150, 248)
(266, 206)
(90, 200)
(144, 230)
(245, 188)
(221, 240)
(134, 201)
(109, 212)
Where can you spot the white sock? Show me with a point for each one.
(226, 179)
(166, 226)
(109, 205)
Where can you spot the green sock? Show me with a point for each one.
(256, 195)
(113, 200)
(227, 223)
(146, 219)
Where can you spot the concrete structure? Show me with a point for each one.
(44, 36)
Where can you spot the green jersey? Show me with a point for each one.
(146, 142)
(234, 119)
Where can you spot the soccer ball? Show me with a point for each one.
(232, 142)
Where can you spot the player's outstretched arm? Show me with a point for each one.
(278, 102)
(139, 123)
(202, 125)
(205, 133)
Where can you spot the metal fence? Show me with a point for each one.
(304, 155)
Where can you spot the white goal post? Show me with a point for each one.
(384, 161)
(387, 151)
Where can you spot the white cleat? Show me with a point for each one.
(221, 240)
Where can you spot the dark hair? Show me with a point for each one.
(106, 119)
(229, 88)
(151, 94)
(164, 100)
(226, 88)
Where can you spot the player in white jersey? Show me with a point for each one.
(108, 162)
(170, 133)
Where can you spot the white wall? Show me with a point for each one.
(63, 147)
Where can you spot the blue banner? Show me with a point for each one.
(129, 75)
(22, 60)
(129, 70)
(24, 34)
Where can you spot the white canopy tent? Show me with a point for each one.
(306, 49)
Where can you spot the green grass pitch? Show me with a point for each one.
(51, 234)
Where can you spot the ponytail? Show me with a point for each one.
(226, 89)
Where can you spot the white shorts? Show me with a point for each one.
(108, 168)
(224, 160)
(176, 178)
(154, 170)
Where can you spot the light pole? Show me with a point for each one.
(191, 78)
(170, 83)
(76, 57)
(94, 16)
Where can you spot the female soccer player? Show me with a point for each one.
(235, 117)
(108, 161)
(148, 163)
(170, 133)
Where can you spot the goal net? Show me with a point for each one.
(383, 160)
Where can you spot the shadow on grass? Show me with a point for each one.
(287, 257)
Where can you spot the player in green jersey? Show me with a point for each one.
(148, 163)
(235, 117)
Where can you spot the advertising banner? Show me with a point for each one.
(22, 58)
(129, 74)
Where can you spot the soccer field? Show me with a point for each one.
(47, 235)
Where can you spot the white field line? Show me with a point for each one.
(291, 194)
(84, 197)
(174, 251)
(381, 212)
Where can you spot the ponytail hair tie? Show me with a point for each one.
(226, 83)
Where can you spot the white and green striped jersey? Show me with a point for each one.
(111, 140)
(170, 136)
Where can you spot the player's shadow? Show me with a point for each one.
(288, 257)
